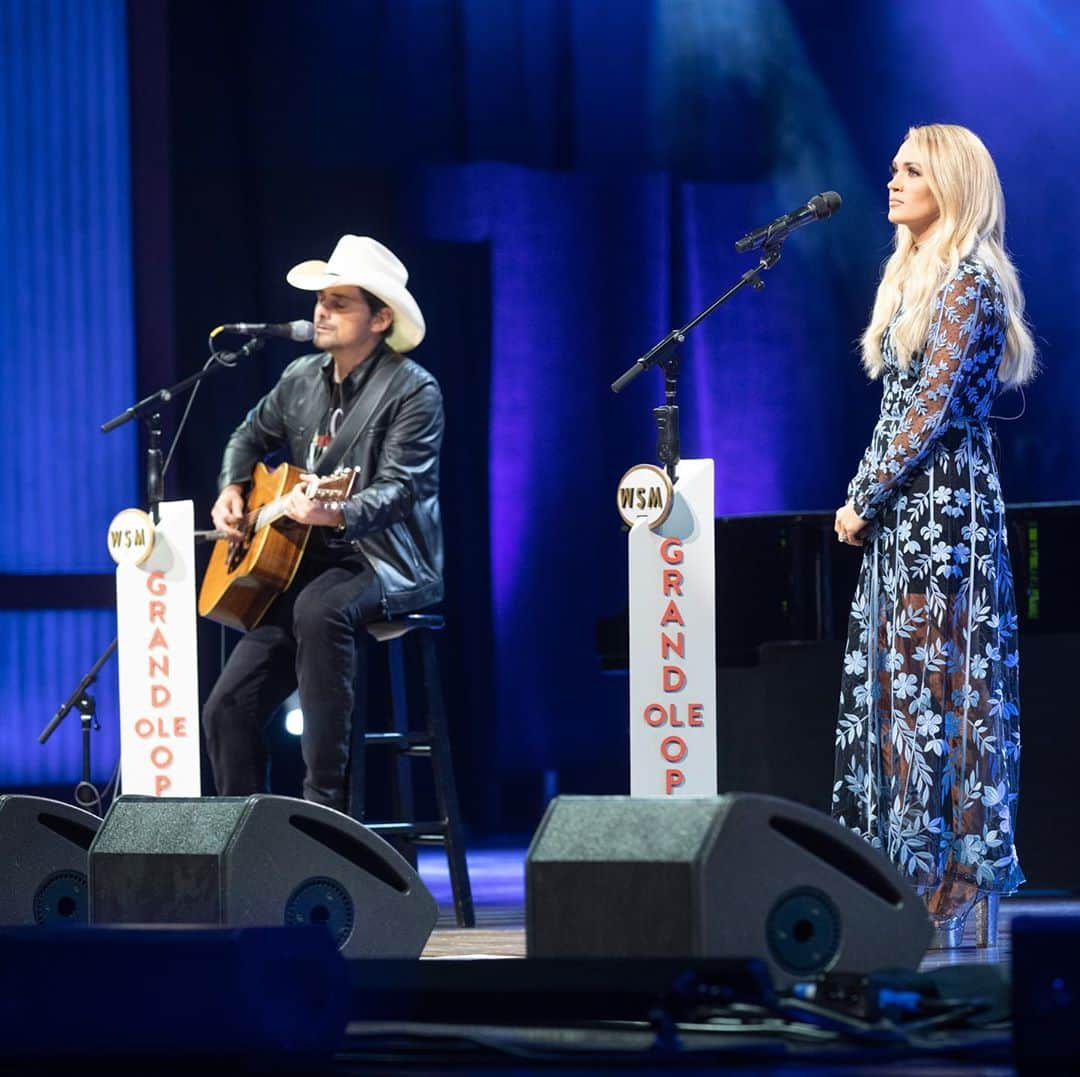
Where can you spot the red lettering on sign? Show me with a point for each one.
(162, 727)
(673, 581)
(667, 645)
(672, 780)
(655, 715)
(671, 551)
(673, 749)
(672, 615)
(156, 729)
(674, 679)
(162, 757)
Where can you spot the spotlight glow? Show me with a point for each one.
(294, 721)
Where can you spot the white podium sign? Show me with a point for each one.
(673, 644)
(159, 690)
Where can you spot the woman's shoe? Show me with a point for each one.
(986, 920)
(948, 932)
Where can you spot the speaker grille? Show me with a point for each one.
(179, 826)
(595, 829)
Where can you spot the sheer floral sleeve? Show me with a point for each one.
(955, 368)
(865, 464)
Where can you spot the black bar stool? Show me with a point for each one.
(431, 742)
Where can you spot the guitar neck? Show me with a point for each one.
(267, 514)
(334, 488)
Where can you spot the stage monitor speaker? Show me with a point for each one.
(260, 860)
(733, 876)
(43, 861)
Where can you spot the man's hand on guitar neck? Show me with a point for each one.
(228, 511)
(300, 505)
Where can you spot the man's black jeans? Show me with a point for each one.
(306, 641)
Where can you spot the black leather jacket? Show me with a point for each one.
(393, 516)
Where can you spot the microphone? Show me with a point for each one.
(300, 330)
(817, 209)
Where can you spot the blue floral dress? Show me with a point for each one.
(928, 739)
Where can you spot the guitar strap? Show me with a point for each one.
(372, 395)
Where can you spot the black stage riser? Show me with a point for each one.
(1045, 1002)
(129, 1000)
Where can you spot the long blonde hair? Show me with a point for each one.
(964, 182)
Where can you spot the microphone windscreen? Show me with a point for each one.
(301, 330)
(825, 205)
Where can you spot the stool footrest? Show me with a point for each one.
(418, 744)
(396, 627)
(418, 833)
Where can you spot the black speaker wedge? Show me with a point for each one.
(733, 876)
(257, 861)
(43, 861)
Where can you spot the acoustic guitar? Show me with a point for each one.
(244, 577)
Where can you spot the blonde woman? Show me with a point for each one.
(928, 743)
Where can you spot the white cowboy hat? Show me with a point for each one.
(366, 263)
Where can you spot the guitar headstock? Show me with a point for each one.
(336, 487)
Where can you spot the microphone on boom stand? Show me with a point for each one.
(299, 330)
(768, 239)
(817, 209)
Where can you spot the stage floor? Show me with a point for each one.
(498, 885)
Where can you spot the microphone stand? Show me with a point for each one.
(665, 354)
(164, 396)
(86, 793)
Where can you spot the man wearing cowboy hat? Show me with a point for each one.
(377, 554)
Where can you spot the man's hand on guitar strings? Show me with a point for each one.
(228, 511)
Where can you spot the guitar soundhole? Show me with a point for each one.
(236, 554)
